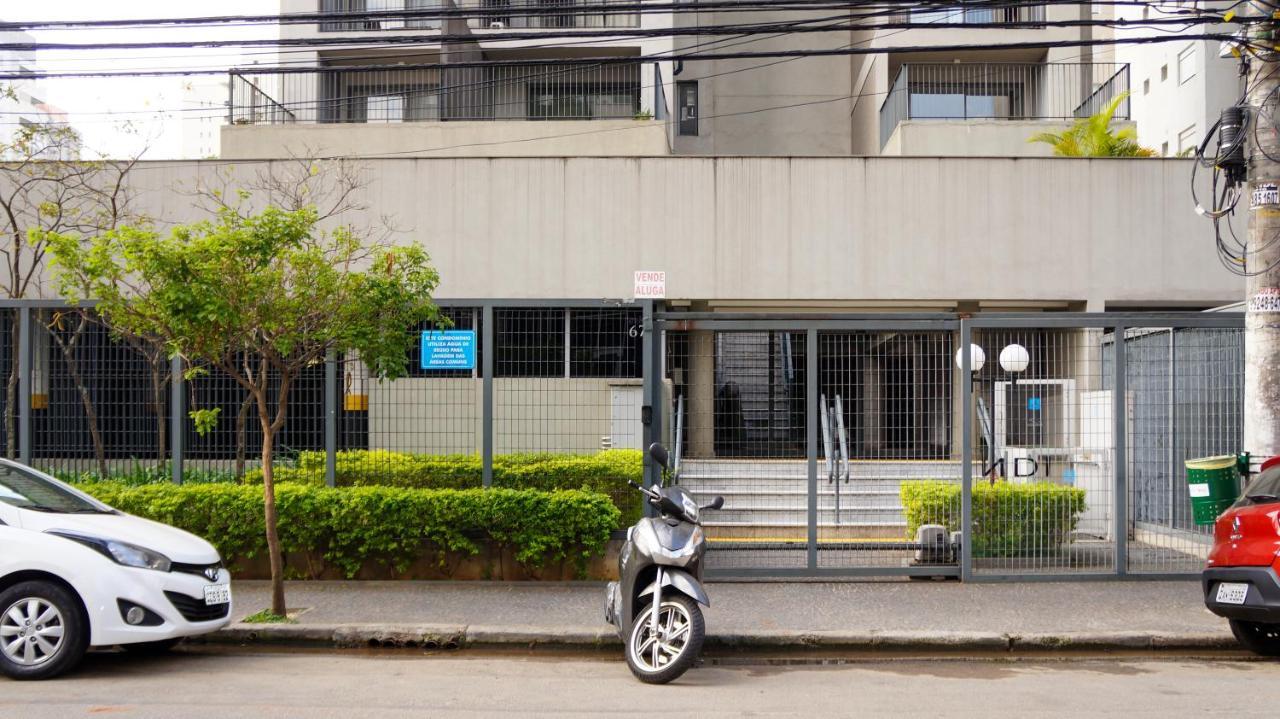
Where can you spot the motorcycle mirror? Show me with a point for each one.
(659, 454)
(716, 503)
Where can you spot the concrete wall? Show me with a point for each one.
(641, 138)
(443, 416)
(973, 138)
(765, 232)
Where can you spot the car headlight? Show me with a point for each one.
(123, 553)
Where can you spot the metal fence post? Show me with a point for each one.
(24, 384)
(811, 440)
(651, 412)
(331, 419)
(488, 349)
(966, 452)
(1119, 430)
(176, 425)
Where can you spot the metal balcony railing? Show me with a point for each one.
(520, 14)
(492, 92)
(1001, 91)
(960, 15)
(381, 15)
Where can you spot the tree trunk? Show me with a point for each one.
(68, 348)
(269, 507)
(242, 441)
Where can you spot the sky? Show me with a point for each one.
(122, 117)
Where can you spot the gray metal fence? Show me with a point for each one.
(844, 445)
(875, 445)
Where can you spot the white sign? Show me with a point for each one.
(1265, 195)
(1266, 299)
(650, 285)
(1199, 490)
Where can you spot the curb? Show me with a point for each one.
(459, 636)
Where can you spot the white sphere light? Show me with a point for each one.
(1014, 358)
(977, 358)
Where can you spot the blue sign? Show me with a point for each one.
(449, 349)
(1033, 404)
(1069, 476)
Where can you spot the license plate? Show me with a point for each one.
(1232, 593)
(217, 594)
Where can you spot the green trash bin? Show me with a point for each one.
(1214, 484)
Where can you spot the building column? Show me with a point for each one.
(702, 393)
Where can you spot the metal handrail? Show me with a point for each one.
(843, 436)
(826, 437)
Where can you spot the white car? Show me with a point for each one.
(75, 573)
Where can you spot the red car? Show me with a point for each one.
(1240, 579)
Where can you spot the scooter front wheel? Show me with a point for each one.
(661, 658)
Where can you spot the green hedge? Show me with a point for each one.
(1008, 519)
(606, 472)
(388, 526)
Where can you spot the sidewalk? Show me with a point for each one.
(924, 616)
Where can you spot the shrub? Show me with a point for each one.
(605, 472)
(1008, 519)
(389, 526)
(140, 474)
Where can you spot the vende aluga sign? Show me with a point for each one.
(650, 285)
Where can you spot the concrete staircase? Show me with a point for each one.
(769, 499)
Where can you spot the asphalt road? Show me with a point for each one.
(223, 685)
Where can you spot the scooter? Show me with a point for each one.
(661, 566)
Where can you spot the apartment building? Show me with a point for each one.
(1179, 88)
(915, 100)
(21, 101)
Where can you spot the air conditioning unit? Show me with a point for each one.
(497, 25)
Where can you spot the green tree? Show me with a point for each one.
(1093, 136)
(260, 297)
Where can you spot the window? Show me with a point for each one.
(582, 102)
(1186, 139)
(1164, 73)
(1146, 86)
(1164, 149)
(1186, 64)
(460, 318)
(687, 98)
(529, 342)
(605, 343)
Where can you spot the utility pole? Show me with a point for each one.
(1262, 294)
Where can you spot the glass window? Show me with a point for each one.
(460, 318)
(1263, 489)
(1186, 139)
(1186, 64)
(605, 343)
(28, 490)
(529, 342)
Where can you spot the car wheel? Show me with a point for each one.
(151, 648)
(1259, 638)
(43, 632)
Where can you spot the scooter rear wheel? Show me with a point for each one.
(661, 659)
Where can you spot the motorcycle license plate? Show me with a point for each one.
(1232, 592)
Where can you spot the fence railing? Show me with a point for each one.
(1000, 91)
(495, 92)
(959, 15)
(520, 14)
(382, 15)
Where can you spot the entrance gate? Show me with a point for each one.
(864, 445)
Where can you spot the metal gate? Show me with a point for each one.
(870, 445)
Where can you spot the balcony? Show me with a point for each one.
(540, 14)
(383, 15)
(957, 15)
(1059, 92)
(466, 111)
(492, 92)
(485, 15)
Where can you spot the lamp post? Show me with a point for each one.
(1013, 359)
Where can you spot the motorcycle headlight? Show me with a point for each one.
(689, 507)
(123, 553)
